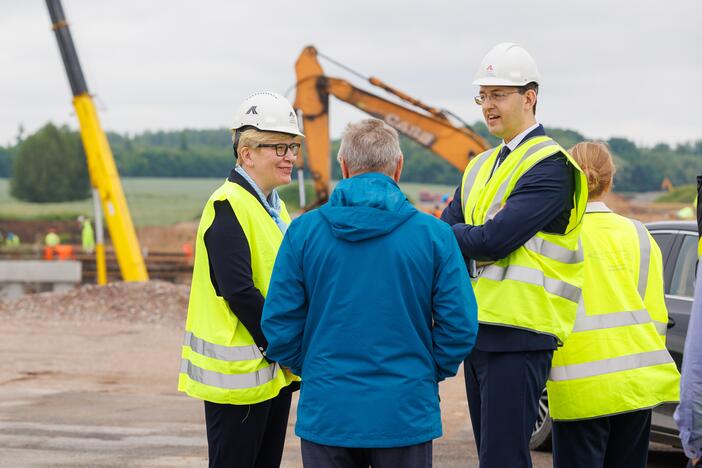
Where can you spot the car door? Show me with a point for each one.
(680, 292)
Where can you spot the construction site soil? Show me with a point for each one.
(88, 379)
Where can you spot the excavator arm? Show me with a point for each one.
(429, 126)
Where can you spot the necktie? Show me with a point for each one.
(501, 156)
(504, 152)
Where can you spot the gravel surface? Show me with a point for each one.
(153, 302)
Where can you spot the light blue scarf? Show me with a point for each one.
(272, 203)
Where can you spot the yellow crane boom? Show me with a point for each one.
(101, 164)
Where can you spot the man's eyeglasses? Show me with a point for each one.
(496, 96)
(281, 149)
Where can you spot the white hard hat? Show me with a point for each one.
(267, 111)
(507, 64)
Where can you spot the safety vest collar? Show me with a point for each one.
(597, 207)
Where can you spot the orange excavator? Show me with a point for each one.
(424, 124)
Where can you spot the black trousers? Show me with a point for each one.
(247, 436)
(619, 441)
(503, 391)
(326, 456)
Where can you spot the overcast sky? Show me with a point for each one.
(609, 68)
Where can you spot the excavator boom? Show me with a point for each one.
(428, 126)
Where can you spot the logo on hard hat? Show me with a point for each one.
(252, 110)
(490, 71)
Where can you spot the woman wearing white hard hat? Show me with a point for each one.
(247, 397)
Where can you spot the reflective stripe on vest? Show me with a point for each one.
(223, 353)
(645, 259)
(228, 381)
(555, 252)
(608, 366)
(617, 319)
(532, 276)
(481, 159)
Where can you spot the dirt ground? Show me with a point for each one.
(88, 379)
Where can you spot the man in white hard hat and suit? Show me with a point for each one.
(517, 217)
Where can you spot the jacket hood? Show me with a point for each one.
(366, 206)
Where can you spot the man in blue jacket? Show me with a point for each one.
(370, 304)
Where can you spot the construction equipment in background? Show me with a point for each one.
(424, 124)
(101, 165)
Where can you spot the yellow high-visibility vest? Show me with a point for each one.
(537, 287)
(615, 361)
(220, 360)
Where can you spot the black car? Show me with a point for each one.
(678, 242)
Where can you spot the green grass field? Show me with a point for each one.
(681, 194)
(157, 201)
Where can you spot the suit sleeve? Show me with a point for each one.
(285, 310)
(455, 311)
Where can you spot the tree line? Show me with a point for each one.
(40, 160)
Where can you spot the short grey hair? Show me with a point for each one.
(370, 146)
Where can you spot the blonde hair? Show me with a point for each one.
(370, 146)
(596, 161)
(252, 137)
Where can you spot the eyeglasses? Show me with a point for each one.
(496, 96)
(281, 149)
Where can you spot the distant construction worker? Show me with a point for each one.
(368, 303)
(614, 366)
(247, 396)
(517, 217)
(87, 235)
(12, 239)
(51, 240)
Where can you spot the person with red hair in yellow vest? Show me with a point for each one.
(614, 367)
(247, 397)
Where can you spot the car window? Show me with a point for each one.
(664, 241)
(683, 283)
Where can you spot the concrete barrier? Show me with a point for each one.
(16, 274)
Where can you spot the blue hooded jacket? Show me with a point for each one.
(371, 304)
